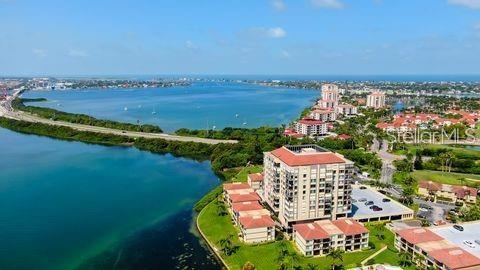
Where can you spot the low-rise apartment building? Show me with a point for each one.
(443, 247)
(444, 192)
(319, 237)
(307, 183)
(251, 217)
(257, 228)
(311, 127)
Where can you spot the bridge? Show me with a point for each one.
(7, 111)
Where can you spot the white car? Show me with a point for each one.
(469, 244)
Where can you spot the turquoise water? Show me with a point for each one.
(64, 203)
(198, 106)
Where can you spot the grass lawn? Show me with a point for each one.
(263, 256)
(446, 178)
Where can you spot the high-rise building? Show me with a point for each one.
(376, 100)
(330, 92)
(306, 183)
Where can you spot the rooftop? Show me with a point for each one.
(418, 235)
(303, 155)
(360, 210)
(246, 206)
(309, 121)
(455, 258)
(470, 232)
(350, 226)
(236, 185)
(256, 177)
(252, 222)
(310, 231)
(250, 197)
(325, 228)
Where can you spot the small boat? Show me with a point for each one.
(125, 109)
(236, 115)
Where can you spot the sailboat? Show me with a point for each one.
(244, 122)
(236, 115)
(154, 112)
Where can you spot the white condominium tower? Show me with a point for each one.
(330, 92)
(376, 100)
(306, 183)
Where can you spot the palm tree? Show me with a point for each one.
(221, 208)
(417, 258)
(226, 245)
(380, 231)
(405, 259)
(311, 266)
(336, 255)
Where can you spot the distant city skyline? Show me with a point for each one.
(307, 37)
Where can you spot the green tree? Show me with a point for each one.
(336, 255)
(405, 259)
(226, 245)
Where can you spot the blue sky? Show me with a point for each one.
(320, 37)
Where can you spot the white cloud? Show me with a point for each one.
(278, 5)
(285, 54)
(473, 4)
(276, 32)
(77, 53)
(190, 45)
(332, 4)
(39, 52)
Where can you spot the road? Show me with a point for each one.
(7, 111)
(381, 148)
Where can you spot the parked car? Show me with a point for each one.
(363, 187)
(469, 244)
(369, 203)
(426, 206)
(458, 227)
(386, 200)
(376, 209)
(362, 200)
(477, 241)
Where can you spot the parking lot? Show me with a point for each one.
(470, 233)
(390, 209)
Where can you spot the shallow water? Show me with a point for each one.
(63, 204)
(199, 106)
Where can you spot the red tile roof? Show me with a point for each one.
(350, 226)
(429, 185)
(246, 206)
(455, 258)
(344, 137)
(309, 121)
(303, 159)
(250, 197)
(460, 191)
(310, 231)
(236, 185)
(256, 177)
(252, 222)
(418, 235)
